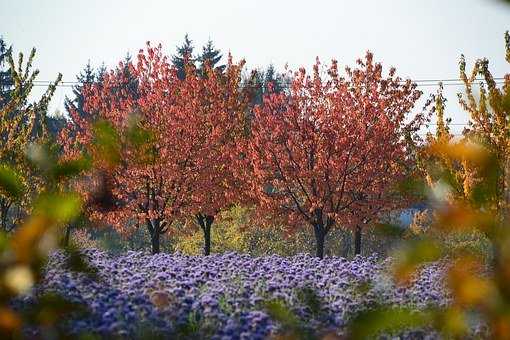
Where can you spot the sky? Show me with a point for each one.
(422, 39)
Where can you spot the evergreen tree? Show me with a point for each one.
(210, 56)
(86, 77)
(130, 79)
(183, 57)
(274, 80)
(255, 84)
(6, 82)
(101, 71)
(55, 123)
(90, 76)
(262, 82)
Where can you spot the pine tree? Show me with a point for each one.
(183, 57)
(86, 77)
(265, 81)
(130, 79)
(255, 84)
(273, 80)
(100, 73)
(210, 56)
(55, 123)
(6, 82)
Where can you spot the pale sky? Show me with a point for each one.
(422, 39)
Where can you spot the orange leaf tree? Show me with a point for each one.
(326, 153)
(214, 106)
(173, 141)
(151, 179)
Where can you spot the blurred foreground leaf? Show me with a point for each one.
(370, 323)
(77, 262)
(9, 320)
(413, 254)
(60, 208)
(10, 182)
(51, 308)
(412, 187)
(389, 229)
(107, 143)
(71, 168)
(278, 311)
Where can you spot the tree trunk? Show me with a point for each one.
(346, 244)
(154, 227)
(320, 236)
(4, 212)
(155, 242)
(207, 241)
(357, 240)
(205, 222)
(67, 235)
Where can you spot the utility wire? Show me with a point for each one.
(419, 82)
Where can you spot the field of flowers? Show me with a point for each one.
(229, 296)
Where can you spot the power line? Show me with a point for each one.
(452, 80)
(419, 82)
(457, 124)
(58, 85)
(254, 86)
(454, 84)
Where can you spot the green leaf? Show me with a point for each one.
(107, 141)
(60, 208)
(139, 136)
(389, 229)
(76, 261)
(4, 241)
(420, 251)
(370, 323)
(412, 186)
(71, 168)
(309, 297)
(11, 182)
(278, 311)
(50, 308)
(412, 254)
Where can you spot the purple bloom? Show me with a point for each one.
(223, 296)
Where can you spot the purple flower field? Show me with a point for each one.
(225, 296)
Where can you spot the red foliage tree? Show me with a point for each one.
(176, 139)
(153, 179)
(326, 153)
(215, 105)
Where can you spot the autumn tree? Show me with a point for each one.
(488, 117)
(178, 161)
(488, 127)
(214, 105)
(477, 273)
(438, 167)
(137, 188)
(325, 155)
(449, 163)
(21, 123)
